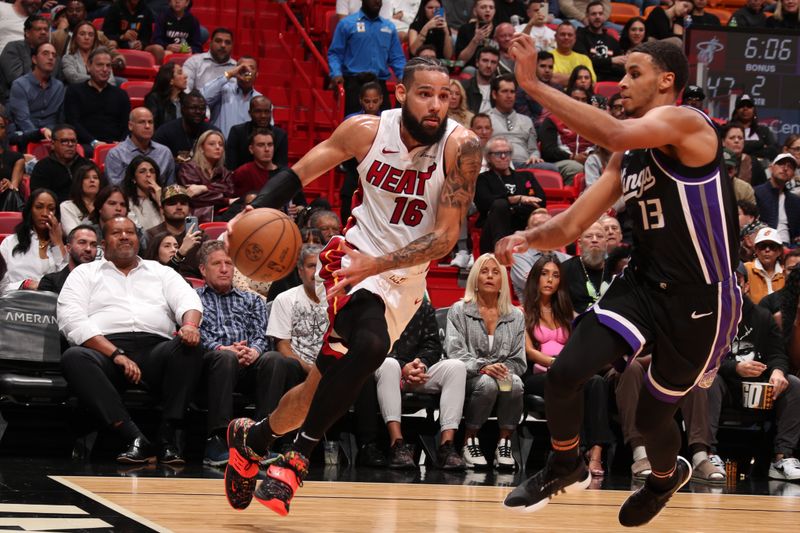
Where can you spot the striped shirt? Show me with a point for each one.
(232, 317)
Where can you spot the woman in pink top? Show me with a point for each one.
(548, 324)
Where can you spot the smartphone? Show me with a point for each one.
(483, 23)
(191, 221)
(439, 12)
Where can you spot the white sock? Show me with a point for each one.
(699, 457)
(639, 453)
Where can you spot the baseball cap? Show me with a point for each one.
(767, 235)
(174, 191)
(744, 101)
(786, 156)
(729, 158)
(693, 91)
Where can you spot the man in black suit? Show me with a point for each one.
(237, 151)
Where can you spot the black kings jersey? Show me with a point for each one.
(685, 224)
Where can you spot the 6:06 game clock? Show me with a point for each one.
(762, 63)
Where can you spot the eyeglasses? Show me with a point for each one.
(795, 149)
(501, 154)
(67, 141)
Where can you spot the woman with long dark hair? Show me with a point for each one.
(548, 324)
(144, 193)
(581, 78)
(86, 183)
(428, 27)
(633, 34)
(164, 99)
(163, 248)
(36, 247)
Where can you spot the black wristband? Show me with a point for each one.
(116, 352)
(279, 190)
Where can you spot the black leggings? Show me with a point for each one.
(362, 325)
(591, 347)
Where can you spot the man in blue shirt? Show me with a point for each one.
(364, 43)
(228, 97)
(234, 335)
(37, 99)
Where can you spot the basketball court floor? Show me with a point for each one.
(61, 495)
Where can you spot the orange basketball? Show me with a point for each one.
(265, 244)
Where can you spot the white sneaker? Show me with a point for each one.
(461, 259)
(502, 455)
(472, 453)
(786, 468)
(717, 461)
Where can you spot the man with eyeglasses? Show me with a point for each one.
(779, 208)
(55, 171)
(765, 272)
(518, 129)
(504, 197)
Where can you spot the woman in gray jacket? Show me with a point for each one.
(487, 333)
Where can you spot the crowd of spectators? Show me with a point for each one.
(122, 244)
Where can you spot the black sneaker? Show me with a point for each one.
(535, 492)
(371, 455)
(448, 458)
(402, 455)
(644, 504)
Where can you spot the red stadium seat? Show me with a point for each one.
(196, 282)
(8, 220)
(137, 90)
(139, 65)
(40, 150)
(214, 229)
(555, 209)
(178, 59)
(100, 154)
(620, 13)
(606, 88)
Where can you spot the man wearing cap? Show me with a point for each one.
(757, 355)
(759, 141)
(749, 16)
(780, 209)
(742, 189)
(175, 209)
(765, 273)
(694, 96)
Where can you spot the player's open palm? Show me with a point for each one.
(360, 268)
(506, 247)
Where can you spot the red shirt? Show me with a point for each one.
(249, 177)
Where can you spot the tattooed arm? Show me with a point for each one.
(463, 163)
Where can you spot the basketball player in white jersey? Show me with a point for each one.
(417, 172)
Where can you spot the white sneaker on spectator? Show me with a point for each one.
(502, 455)
(786, 468)
(472, 453)
(461, 259)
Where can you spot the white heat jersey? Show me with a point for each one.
(398, 193)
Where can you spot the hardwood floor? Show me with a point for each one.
(192, 505)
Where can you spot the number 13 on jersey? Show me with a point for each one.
(652, 214)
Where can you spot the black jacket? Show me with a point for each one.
(51, 174)
(766, 146)
(758, 334)
(591, 44)
(54, 281)
(474, 96)
(420, 339)
(237, 147)
(491, 186)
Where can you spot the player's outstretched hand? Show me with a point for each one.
(231, 223)
(361, 267)
(506, 247)
(523, 51)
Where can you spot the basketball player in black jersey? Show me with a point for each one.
(677, 300)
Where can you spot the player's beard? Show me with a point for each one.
(419, 132)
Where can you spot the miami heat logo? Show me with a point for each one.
(253, 252)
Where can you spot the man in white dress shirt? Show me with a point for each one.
(120, 314)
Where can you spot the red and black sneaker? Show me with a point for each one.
(284, 477)
(242, 467)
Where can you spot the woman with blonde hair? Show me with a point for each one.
(487, 333)
(205, 176)
(458, 104)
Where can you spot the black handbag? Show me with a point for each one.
(11, 200)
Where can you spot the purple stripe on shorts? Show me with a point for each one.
(657, 394)
(626, 332)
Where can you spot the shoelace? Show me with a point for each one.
(504, 450)
(716, 460)
(474, 450)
